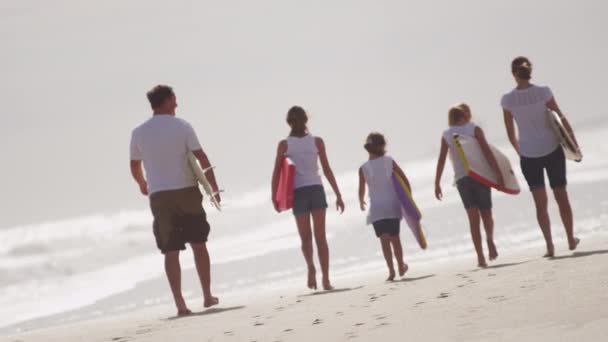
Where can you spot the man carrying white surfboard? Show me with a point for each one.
(539, 147)
(162, 143)
(476, 196)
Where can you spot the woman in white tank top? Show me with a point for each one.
(476, 197)
(309, 202)
(538, 147)
(384, 210)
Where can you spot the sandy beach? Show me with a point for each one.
(520, 297)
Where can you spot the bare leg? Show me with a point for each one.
(488, 225)
(565, 211)
(203, 268)
(174, 275)
(305, 231)
(542, 216)
(385, 241)
(474, 223)
(398, 250)
(318, 219)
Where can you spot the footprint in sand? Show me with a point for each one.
(258, 324)
(229, 333)
(350, 335)
(339, 313)
(256, 316)
(143, 331)
(280, 308)
(317, 321)
(116, 339)
(491, 274)
(443, 295)
(379, 318)
(359, 324)
(497, 299)
(287, 330)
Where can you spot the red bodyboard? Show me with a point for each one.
(284, 195)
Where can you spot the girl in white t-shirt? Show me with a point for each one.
(384, 210)
(538, 147)
(309, 200)
(476, 197)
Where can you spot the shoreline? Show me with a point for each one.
(520, 296)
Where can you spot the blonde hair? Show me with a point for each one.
(459, 112)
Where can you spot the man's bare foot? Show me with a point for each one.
(574, 243)
(184, 312)
(403, 268)
(493, 253)
(209, 302)
(327, 285)
(391, 275)
(482, 263)
(312, 278)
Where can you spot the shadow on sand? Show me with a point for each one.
(322, 293)
(580, 254)
(407, 280)
(211, 311)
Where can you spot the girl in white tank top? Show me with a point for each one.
(475, 196)
(384, 210)
(306, 151)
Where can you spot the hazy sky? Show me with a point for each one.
(75, 73)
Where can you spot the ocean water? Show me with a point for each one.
(57, 272)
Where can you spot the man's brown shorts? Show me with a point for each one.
(179, 218)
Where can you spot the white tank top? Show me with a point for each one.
(383, 201)
(304, 154)
(467, 129)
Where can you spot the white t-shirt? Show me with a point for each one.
(529, 109)
(383, 201)
(467, 129)
(304, 154)
(162, 142)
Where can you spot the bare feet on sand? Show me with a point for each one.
(391, 275)
(482, 263)
(550, 252)
(327, 285)
(572, 244)
(493, 253)
(403, 268)
(211, 301)
(312, 278)
(184, 312)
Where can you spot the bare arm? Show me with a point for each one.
(485, 149)
(138, 174)
(210, 175)
(361, 189)
(401, 174)
(281, 151)
(552, 104)
(510, 125)
(443, 152)
(329, 174)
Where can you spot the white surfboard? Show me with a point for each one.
(202, 179)
(478, 168)
(571, 151)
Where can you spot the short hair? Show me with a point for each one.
(375, 144)
(159, 94)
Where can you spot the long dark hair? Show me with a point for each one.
(297, 120)
(521, 67)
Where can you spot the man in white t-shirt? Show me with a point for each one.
(162, 143)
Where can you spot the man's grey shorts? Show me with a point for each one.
(474, 194)
(308, 198)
